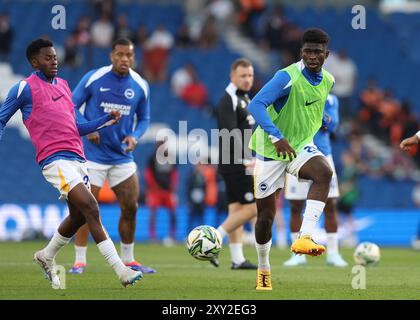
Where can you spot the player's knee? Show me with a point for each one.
(91, 209)
(129, 210)
(324, 175)
(296, 207)
(79, 220)
(265, 219)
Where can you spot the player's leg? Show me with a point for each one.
(281, 242)
(269, 179)
(46, 257)
(331, 226)
(296, 192)
(263, 235)
(83, 200)
(315, 167)
(296, 208)
(127, 193)
(237, 213)
(97, 175)
(81, 242)
(241, 208)
(71, 179)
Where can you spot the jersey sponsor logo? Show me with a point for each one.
(129, 93)
(122, 108)
(263, 186)
(101, 89)
(307, 103)
(56, 98)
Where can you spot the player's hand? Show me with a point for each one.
(326, 120)
(407, 143)
(94, 137)
(131, 143)
(249, 165)
(116, 117)
(284, 149)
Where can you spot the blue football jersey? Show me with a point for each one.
(102, 91)
(322, 138)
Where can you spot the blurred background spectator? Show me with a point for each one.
(6, 37)
(103, 31)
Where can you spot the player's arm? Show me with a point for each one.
(81, 95)
(279, 86)
(331, 117)
(85, 127)
(143, 121)
(411, 141)
(18, 97)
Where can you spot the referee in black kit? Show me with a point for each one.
(235, 159)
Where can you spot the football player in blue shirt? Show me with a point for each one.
(109, 153)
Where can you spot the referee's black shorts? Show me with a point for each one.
(239, 188)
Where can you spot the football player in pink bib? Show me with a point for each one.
(55, 129)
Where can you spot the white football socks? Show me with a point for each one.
(80, 254)
(110, 254)
(263, 252)
(294, 236)
(236, 253)
(127, 252)
(281, 238)
(311, 217)
(332, 243)
(55, 244)
(222, 232)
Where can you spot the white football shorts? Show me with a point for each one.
(115, 173)
(270, 175)
(295, 190)
(64, 175)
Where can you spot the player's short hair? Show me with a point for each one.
(315, 35)
(241, 62)
(123, 42)
(35, 46)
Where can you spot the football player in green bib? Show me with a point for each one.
(289, 112)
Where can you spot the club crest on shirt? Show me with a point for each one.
(129, 93)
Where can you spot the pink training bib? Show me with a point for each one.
(52, 122)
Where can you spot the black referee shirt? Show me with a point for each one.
(232, 113)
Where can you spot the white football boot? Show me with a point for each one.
(48, 266)
(295, 261)
(130, 277)
(336, 260)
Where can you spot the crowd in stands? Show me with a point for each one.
(375, 111)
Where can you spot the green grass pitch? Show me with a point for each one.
(182, 277)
